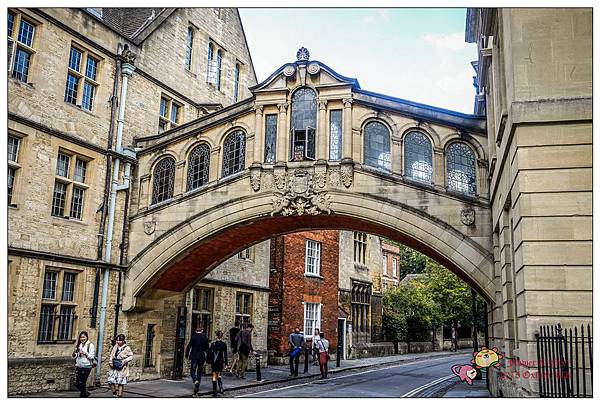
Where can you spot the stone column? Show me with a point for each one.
(439, 168)
(144, 190)
(322, 131)
(347, 129)
(179, 183)
(282, 133)
(259, 139)
(396, 152)
(482, 176)
(213, 173)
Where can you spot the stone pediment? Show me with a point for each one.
(304, 71)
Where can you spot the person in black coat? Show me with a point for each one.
(196, 353)
(218, 354)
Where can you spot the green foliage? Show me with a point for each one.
(412, 310)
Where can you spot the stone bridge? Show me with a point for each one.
(309, 150)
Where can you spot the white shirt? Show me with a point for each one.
(323, 345)
(86, 361)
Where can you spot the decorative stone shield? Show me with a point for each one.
(300, 197)
(467, 216)
(149, 227)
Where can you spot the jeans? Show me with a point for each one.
(197, 369)
(81, 376)
(294, 362)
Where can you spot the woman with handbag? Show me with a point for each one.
(217, 357)
(120, 356)
(323, 345)
(85, 355)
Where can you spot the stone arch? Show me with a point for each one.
(469, 140)
(193, 142)
(434, 137)
(157, 157)
(188, 251)
(223, 133)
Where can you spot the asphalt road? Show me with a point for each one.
(408, 379)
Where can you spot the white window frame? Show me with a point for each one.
(385, 265)
(314, 268)
(395, 267)
(317, 307)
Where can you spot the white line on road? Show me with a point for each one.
(345, 376)
(425, 386)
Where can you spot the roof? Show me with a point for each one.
(133, 23)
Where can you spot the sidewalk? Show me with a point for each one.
(164, 388)
(462, 390)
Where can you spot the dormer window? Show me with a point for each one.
(304, 123)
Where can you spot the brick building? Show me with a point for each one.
(304, 289)
(390, 272)
(67, 69)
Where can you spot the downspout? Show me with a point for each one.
(127, 70)
(111, 130)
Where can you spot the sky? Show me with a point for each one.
(414, 54)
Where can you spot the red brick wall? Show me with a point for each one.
(290, 287)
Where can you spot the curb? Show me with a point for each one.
(334, 371)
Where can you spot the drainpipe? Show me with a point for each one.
(126, 71)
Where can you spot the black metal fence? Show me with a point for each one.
(565, 361)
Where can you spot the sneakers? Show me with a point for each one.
(196, 387)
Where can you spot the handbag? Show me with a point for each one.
(118, 364)
(295, 352)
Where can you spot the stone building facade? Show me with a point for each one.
(67, 68)
(534, 81)
(360, 291)
(303, 283)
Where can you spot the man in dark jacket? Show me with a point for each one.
(296, 340)
(196, 353)
(244, 345)
(233, 332)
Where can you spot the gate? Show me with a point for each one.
(564, 362)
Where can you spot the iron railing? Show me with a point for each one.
(565, 361)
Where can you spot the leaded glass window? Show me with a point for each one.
(418, 157)
(198, 164)
(335, 135)
(270, 137)
(188, 48)
(219, 68)
(164, 176)
(304, 122)
(234, 153)
(461, 168)
(236, 83)
(377, 146)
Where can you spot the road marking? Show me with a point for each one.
(350, 375)
(425, 386)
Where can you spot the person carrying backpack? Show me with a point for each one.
(196, 352)
(244, 339)
(85, 357)
(217, 358)
(296, 342)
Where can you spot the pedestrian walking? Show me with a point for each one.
(218, 359)
(195, 351)
(120, 356)
(85, 356)
(296, 342)
(315, 346)
(454, 339)
(244, 339)
(233, 332)
(323, 354)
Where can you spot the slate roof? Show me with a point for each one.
(128, 21)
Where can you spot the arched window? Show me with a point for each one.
(198, 164)
(234, 152)
(219, 63)
(236, 83)
(377, 146)
(164, 176)
(188, 48)
(304, 123)
(461, 168)
(417, 157)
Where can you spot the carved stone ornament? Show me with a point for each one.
(289, 70)
(300, 198)
(302, 54)
(334, 177)
(320, 176)
(128, 56)
(313, 68)
(346, 174)
(467, 216)
(255, 175)
(279, 179)
(149, 227)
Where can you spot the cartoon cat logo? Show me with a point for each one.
(465, 372)
(487, 358)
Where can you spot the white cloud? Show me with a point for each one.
(453, 42)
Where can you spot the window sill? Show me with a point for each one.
(79, 108)
(71, 220)
(190, 73)
(13, 206)
(21, 83)
(57, 342)
(313, 275)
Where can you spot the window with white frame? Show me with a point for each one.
(58, 308)
(202, 310)
(21, 32)
(312, 317)
(243, 309)
(395, 267)
(246, 253)
(81, 85)
(14, 147)
(70, 185)
(312, 261)
(189, 47)
(170, 113)
(360, 247)
(385, 264)
(214, 65)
